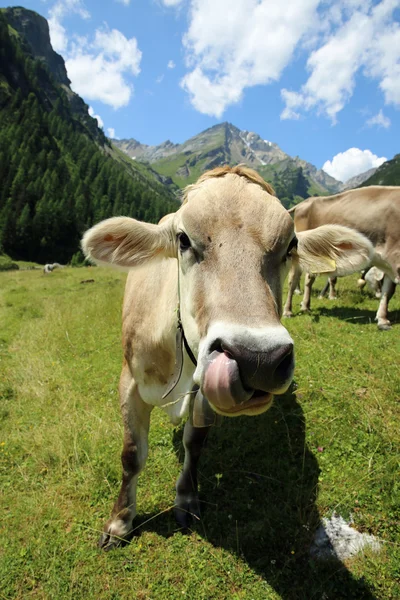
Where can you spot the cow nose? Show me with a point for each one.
(269, 371)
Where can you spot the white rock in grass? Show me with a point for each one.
(335, 538)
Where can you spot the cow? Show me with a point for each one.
(49, 268)
(201, 316)
(373, 211)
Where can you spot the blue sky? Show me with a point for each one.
(321, 78)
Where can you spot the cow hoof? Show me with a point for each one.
(187, 510)
(108, 542)
(287, 314)
(384, 326)
(115, 534)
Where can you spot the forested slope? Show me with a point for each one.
(57, 174)
(386, 174)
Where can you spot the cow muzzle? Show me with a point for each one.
(241, 376)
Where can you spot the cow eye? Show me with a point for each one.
(184, 242)
(292, 246)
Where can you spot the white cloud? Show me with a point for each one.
(383, 62)
(352, 162)
(60, 10)
(111, 132)
(234, 45)
(171, 64)
(97, 70)
(159, 78)
(99, 119)
(126, 2)
(231, 45)
(363, 40)
(171, 2)
(292, 100)
(380, 120)
(58, 35)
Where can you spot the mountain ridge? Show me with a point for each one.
(224, 143)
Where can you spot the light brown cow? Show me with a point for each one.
(217, 265)
(373, 211)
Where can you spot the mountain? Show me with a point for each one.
(357, 180)
(59, 172)
(386, 174)
(293, 178)
(31, 32)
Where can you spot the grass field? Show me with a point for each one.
(331, 446)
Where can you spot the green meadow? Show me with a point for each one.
(330, 446)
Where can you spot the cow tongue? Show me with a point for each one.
(221, 382)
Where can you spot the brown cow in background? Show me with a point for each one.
(373, 211)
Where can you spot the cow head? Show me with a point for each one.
(233, 241)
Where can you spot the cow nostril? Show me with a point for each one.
(216, 346)
(219, 346)
(284, 361)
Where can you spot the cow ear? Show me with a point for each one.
(126, 243)
(333, 249)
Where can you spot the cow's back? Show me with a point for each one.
(374, 211)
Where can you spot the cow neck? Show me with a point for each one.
(180, 342)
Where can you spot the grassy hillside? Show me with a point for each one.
(386, 174)
(331, 446)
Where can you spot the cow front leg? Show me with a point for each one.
(293, 284)
(136, 419)
(308, 283)
(331, 286)
(187, 503)
(388, 289)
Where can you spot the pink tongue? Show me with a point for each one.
(217, 381)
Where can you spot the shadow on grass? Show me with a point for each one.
(353, 315)
(259, 482)
(358, 316)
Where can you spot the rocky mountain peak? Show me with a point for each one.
(34, 37)
(34, 31)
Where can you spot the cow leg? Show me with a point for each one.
(332, 288)
(388, 289)
(326, 287)
(378, 290)
(308, 283)
(294, 282)
(136, 419)
(187, 498)
(361, 282)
